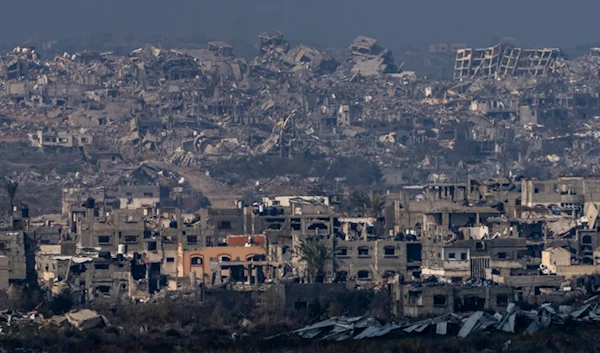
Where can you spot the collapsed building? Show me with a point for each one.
(450, 248)
(202, 107)
(276, 55)
(480, 203)
(503, 61)
(367, 58)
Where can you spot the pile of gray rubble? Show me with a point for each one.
(514, 320)
(82, 320)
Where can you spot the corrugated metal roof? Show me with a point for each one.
(421, 328)
(578, 313)
(441, 328)
(470, 324)
(411, 328)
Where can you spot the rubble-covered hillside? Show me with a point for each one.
(210, 121)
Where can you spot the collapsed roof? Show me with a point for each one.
(369, 59)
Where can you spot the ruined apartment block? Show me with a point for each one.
(505, 61)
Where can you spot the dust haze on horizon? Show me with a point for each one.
(318, 22)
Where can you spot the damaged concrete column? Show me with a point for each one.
(249, 279)
(446, 220)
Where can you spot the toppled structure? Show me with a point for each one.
(19, 63)
(219, 61)
(305, 57)
(85, 319)
(368, 59)
(276, 55)
(505, 61)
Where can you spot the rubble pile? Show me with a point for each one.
(514, 320)
(82, 320)
(508, 109)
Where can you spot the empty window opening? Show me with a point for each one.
(440, 300)
(502, 300)
(151, 246)
(224, 225)
(342, 252)
(341, 276)
(363, 274)
(413, 252)
(103, 289)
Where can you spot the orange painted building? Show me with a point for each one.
(200, 260)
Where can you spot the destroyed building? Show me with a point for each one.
(367, 58)
(502, 61)
(474, 248)
(488, 179)
(437, 300)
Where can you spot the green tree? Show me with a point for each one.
(356, 199)
(375, 205)
(372, 204)
(317, 254)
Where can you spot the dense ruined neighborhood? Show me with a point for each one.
(301, 176)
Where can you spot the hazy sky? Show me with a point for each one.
(325, 22)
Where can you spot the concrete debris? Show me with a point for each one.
(492, 194)
(368, 59)
(86, 319)
(15, 318)
(200, 109)
(343, 328)
(514, 320)
(505, 60)
(83, 319)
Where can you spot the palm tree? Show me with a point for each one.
(317, 254)
(374, 205)
(11, 187)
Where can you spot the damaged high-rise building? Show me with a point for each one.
(367, 58)
(502, 60)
